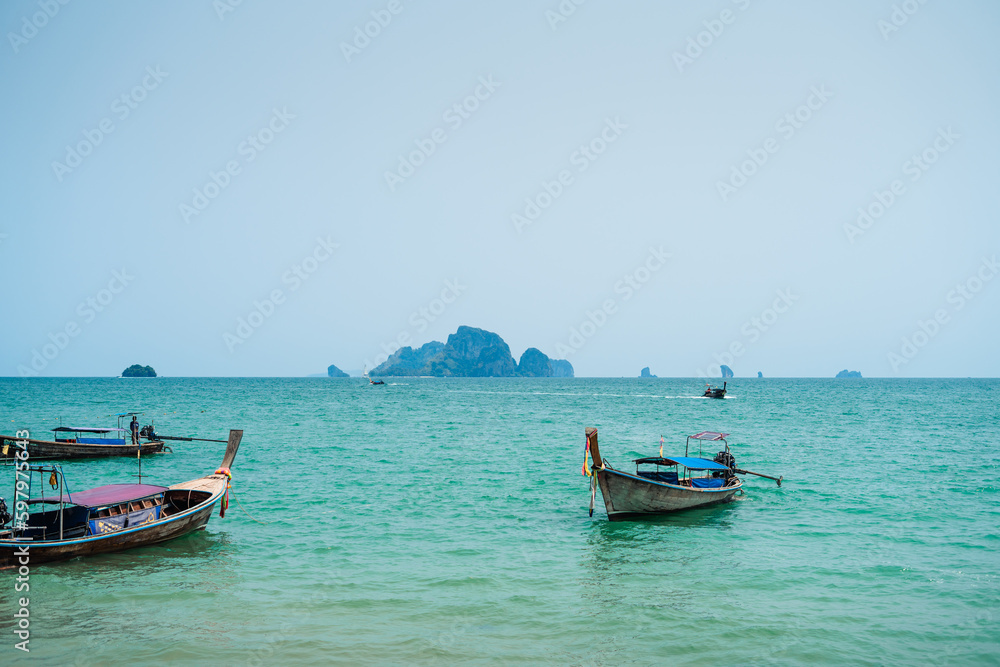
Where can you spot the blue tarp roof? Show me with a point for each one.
(696, 464)
(86, 429)
(691, 463)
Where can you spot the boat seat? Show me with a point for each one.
(707, 482)
(665, 477)
(45, 525)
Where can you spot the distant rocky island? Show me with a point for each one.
(849, 374)
(759, 374)
(561, 368)
(471, 352)
(727, 372)
(137, 371)
(334, 372)
(644, 373)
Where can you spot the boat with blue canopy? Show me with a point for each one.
(664, 484)
(86, 442)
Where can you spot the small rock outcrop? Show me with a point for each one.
(334, 372)
(644, 373)
(759, 374)
(849, 374)
(137, 371)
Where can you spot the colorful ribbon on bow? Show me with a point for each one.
(661, 446)
(586, 454)
(229, 483)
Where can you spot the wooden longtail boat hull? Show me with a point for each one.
(629, 496)
(160, 531)
(39, 450)
(210, 487)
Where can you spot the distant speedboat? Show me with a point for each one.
(715, 392)
(370, 381)
(651, 492)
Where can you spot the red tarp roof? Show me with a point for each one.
(709, 435)
(112, 494)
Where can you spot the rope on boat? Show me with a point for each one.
(224, 505)
(245, 510)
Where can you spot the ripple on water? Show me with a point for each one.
(445, 521)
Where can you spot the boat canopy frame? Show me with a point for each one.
(85, 429)
(685, 469)
(705, 436)
(63, 500)
(683, 461)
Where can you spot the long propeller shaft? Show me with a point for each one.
(751, 472)
(177, 437)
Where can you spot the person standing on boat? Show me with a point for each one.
(134, 427)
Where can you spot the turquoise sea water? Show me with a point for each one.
(445, 521)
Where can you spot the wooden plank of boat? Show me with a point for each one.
(186, 507)
(629, 496)
(45, 450)
(595, 452)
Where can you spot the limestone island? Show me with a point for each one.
(644, 373)
(137, 371)
(470, 352)
(849, 374)
(727, 372)
(334, 372)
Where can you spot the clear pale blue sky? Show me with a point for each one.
(680, 130)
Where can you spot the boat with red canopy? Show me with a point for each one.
(671, 483)
(60, 524)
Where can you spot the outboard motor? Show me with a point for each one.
(147, 432)
(728, 460)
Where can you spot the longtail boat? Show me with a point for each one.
(715, 392)
(673, 484)
(86, 442)
(81, 442)
(107, 518)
